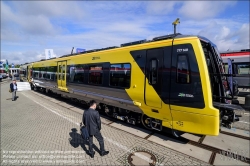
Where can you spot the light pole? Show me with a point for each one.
(177, 21)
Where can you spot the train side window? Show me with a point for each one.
(48, 76)
(243, 68)
(35, 72)
(55, 69)
(41, 72)
(63, 72)
(153, 71)
(51, 72)
(52, 77)
(76, 73)
(226, 68)
(95, 74)
(59, 72)
(120, 75)
(183, 71)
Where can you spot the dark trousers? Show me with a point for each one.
(99, 138)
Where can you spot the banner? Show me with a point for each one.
(49, 53)
(7, 66)
(230, 71)
(78, 50)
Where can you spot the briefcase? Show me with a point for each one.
(84, 132)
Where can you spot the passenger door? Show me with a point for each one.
(154, 64)
(61, 75)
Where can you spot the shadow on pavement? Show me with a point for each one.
(77, 140)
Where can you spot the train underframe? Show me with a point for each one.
(227, 117)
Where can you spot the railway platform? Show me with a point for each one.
(38, 129)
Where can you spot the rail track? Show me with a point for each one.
(235, 135)
(215, 151)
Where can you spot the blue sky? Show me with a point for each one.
(28, 28)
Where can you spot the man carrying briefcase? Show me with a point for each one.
(92, 122)
(84, 132)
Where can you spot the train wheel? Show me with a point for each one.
(109, 112)
(146, 121)
(229, 126)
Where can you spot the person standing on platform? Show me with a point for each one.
(13, 88)
(91, 119)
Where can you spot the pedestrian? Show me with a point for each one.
(13, 89)
(91, 119)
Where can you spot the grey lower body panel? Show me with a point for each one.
(113, 97)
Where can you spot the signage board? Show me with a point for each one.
(78, 50)
(49, 53)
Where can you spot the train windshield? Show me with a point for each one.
(216, 70)
(220, 61)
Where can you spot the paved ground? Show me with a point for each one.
(40, 130)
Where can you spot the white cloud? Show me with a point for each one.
(8, 35)
(7, 15)
(49, 8)
(36, 25)
(203, 9)
(19, 57)
(27, 28)
(225, 38)
(17, 27)
(160, 7)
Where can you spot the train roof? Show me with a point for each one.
(236, 51)
(238, 56)
(165, 37)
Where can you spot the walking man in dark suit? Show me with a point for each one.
(91, 119)
(13, 89)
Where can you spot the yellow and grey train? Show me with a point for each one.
(173, 81)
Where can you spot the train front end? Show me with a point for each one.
(219, 84)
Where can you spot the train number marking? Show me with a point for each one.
(180, 123)
(182, 50)
(94, 58)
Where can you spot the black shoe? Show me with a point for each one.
(92, 154)
(103, 153)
